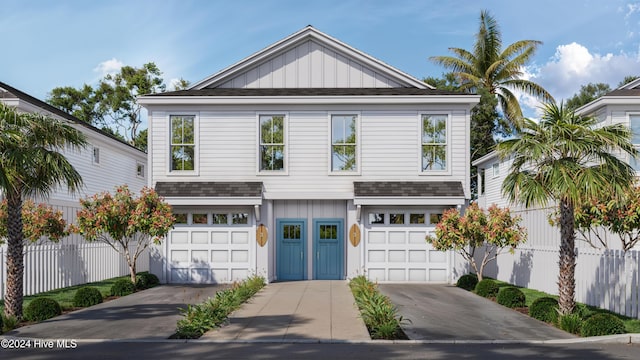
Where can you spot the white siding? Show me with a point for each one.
(389, 141)
(310, 65)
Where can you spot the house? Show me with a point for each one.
(307, 160)
(105, 163)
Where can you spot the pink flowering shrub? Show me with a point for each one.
(494, 230)
(38, 222)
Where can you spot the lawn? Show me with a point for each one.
(631, 325)
(64, 296)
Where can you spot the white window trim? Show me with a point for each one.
(330, 170)
(143, 174)
(196, 140)
(285, 171)
(209, 213)
(447, 171)
(93, 155)
(495, 170)
(407, 216)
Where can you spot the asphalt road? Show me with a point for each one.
(204, 350)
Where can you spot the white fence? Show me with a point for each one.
(607, 279)
(50, 267)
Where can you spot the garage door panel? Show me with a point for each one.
(376, 237)
(179, 237)
(417, 275)
(219, 237)
(397, 275)
(397, 237)
(200, 237)
(375, 274)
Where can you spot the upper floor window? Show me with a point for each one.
(272, 143)
(183, 143)
(434, 142)
(343, 143)
(495, 169)
(96, 155)
(140, 170)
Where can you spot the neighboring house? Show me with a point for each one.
(105, 163)
(317, 144)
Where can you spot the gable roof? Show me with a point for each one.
(13, 93)
(308, 92)
(290, 42)
(408, 189)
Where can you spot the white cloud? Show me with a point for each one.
(632, 8)
(108, 67)
(574, 65)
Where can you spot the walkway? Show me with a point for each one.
(303, 310)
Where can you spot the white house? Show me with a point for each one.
(342, 161)
(105, 163)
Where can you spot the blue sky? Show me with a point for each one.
(46, 44)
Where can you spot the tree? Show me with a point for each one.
(38, 222)
(141, 140)
(627, 79)
(618, 216)
(448, 82)
(494, 231)
(498, 71)
(112, 105)
(126, 223)
(587, 94)
(31, 164)
(566, 158)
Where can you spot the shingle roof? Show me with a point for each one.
(409, 189)
(308, 92)
(624, 92)
(13, 93)
(209, 189)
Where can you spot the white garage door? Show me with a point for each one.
(207, 253)
(396, 250)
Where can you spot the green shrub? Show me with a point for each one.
(511, 297)
(122, 287)
(41, 308)
(487, 288)
(146, 280)
(544, 309)
(602, 324)
(1, 323)
(87, 296)
(377, 311)
(467, 282)
(571, 323)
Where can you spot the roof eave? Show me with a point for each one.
(258, 100)
(604, 101)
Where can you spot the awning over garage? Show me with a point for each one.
(210, 192)
(409, 193)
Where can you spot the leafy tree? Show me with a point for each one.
(618, 216)
(495, 231)
(627, 79)
(498, 71)
(448, 82)
(112, 105)
(565, 158)
(180, 84)
(141, 140)
(38, 222)
(126, 223)
(31, 164)
(587, 94)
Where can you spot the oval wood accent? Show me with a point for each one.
(354, 235)
(261, 235)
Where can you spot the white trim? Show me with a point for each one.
(448, 144)
(489, 156)
(390, 201)
(300, 36)
(495, 170)
(471, 100)
(606, 100)
(231, 201)
(307, 195)
(330, 170)
(196, 141)
(285, 129)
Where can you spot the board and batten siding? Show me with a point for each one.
(310, 65)
(389, 147)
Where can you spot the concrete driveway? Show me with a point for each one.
(445, 312)
(148, 314)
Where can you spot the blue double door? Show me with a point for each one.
(292, 255)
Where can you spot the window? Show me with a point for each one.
(483, 181)
(181, 218)
(140, 170)
(376, 218)
(634, 125)
(96, 155)
(434, 218)
(220, 219)
(495, 169)
(396, 219)
(272, 143)
(416, 219)
(343, 143)
(239, 218)
(200, 219)
(183, 143)
(434, 142)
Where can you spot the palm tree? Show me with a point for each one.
(565, 158)
(496, 70)
(30, 165)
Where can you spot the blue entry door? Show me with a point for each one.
(291, 257)
(328, 246)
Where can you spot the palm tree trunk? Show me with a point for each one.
(15, 257)
(567, 263)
